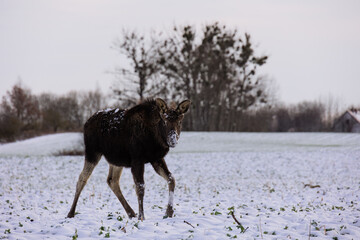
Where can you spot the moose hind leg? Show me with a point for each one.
(113, 182)
(84, 176)
(138, 175)
(161, 168)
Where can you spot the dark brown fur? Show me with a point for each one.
(131, 138)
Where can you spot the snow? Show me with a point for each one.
(105, 110)
(44, 145)
(172, 138)
(355, 114)
(268, 180)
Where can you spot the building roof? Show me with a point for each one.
(355, 113)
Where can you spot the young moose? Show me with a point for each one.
(131, 138)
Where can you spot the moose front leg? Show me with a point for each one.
(161, 168)
(138, 175)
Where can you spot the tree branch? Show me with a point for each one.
(188, 223)
(232, 214)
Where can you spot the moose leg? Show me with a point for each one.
(138, 175)
(84, 176)
(161, 168)
(113, 182)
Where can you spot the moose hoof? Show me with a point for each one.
(131, 214)
(169, 212)
(70, 215)
(141, 217)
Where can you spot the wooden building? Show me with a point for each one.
(348, 122)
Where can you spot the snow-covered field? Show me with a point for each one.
(278, 186)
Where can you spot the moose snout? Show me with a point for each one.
(172, 138)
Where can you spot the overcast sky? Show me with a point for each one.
(62, 45)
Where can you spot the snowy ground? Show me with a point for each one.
(261, 178)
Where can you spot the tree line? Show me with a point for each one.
(217, 68)
(24, 115)
(307, 116)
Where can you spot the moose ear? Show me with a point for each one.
(161, 104)
(183, 107)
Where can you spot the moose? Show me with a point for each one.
(131, 138)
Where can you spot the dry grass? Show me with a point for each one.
(73, 152)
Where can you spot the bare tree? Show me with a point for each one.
(139, 81)
(284, 120)
(309, 117)
(217, 70)
(20, 102)
(332, 107)
(91, 102)
(61, 113)
(178, 57)
(51, 114)
(9, 125)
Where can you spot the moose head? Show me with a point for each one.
(172, 119)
